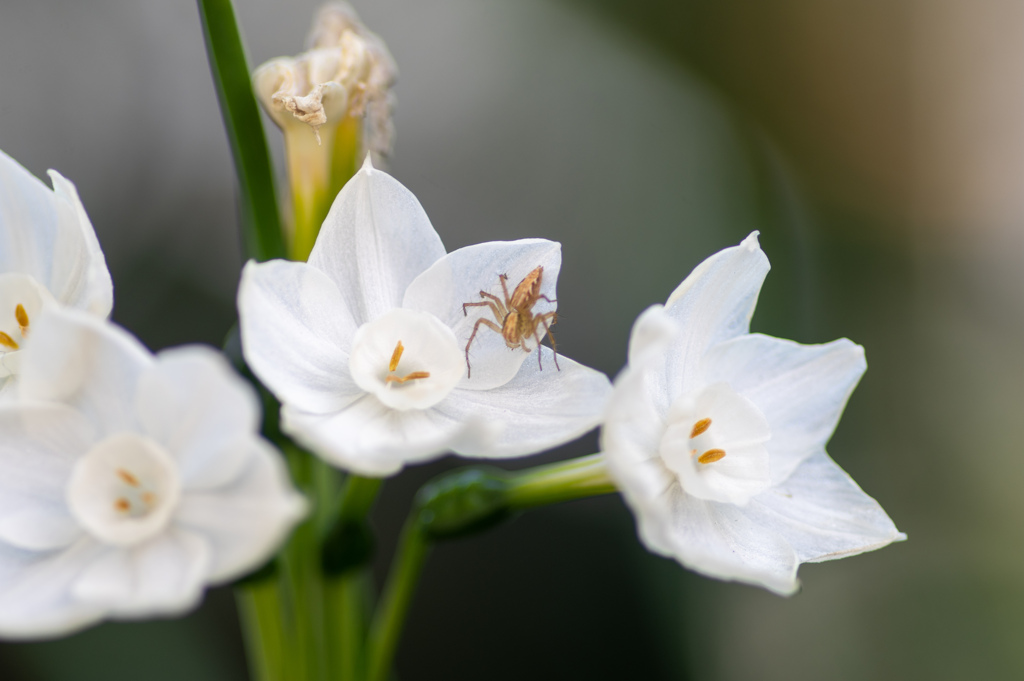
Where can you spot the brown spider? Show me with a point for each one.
(515, 316)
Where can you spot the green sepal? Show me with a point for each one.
(464, 502)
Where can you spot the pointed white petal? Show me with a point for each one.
(371, 439)
(296, 334)
(800, 389)
(87, 363)
(535, 411)
(718, 540)
(193, 403)
(88, 287)
(822, 513)
(462, 275)
(246, 520)
(34, 239)
(713, 304)
(163, 576)
(375, 241)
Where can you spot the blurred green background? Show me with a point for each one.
(877, 144)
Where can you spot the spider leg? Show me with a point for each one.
(476, 327)
(543, 319)
(543, 297)
(504, 289)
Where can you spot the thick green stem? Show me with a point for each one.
(558, 482)
(394, 605)
(259, 609)
(348, 577)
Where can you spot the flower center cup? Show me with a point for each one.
(714, 444)
(406, 358)
(124, 490)
(22, 298)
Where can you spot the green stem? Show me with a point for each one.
(347, 593)
(262, 238)
(390, 615)
(558, 482)
(259, 608)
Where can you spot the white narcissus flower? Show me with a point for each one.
(366, 344)
(716, 436)
(49, 255)
(128, 482)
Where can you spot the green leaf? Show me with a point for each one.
(262, 238)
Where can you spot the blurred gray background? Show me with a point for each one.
(877, 144)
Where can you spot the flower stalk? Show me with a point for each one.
(464, 502)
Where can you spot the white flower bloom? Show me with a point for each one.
(366, 344)
(49, 255)
(716, 436)
(128, 482)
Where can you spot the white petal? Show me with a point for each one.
(34, 239)
(713, 305)
(87, 363)
(822, 513)
(38, 449)
(375, 241)
(371, 439)
(718, 540)
(40, 527)
(245, 521)
(800, 389)
(36, 598)
(535, 411)
(296, 334)
(163, 576)
(193, 403)
(630, 438)
(462, 275)
(652, 331)
(88, 287)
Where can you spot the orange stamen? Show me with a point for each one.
(700, 427)
(711, 456)
(7, 341)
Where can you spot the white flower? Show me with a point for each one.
(128, 483)
(48, 255)
(366, 345)
(716, 436)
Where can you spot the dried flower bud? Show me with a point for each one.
(346, 72)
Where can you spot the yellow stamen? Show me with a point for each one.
(396, 356)
(127, 477)
(22, 317)
(148, 498)
(408, 377)
(122, 505)
(711, 456)
(700, 427)
(7, 341)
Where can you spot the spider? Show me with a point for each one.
(515, 316)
